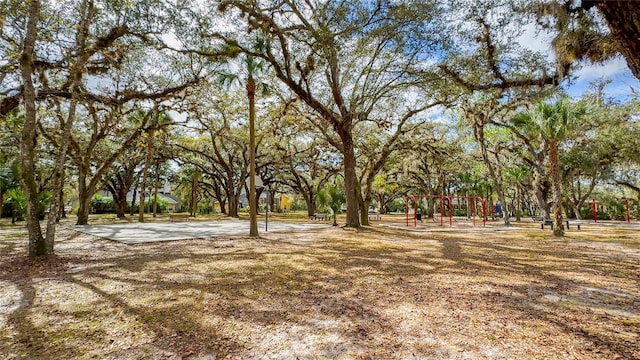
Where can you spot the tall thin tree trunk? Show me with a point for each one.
(145, 174)
(61, 212)
(133, 200)
(253, 203)
(28, 137)
(194, 193)
(554, 164)
(518, 203)
(155, 191)
(538, 186)
(497, 181)
(363, 206)
(76, 80)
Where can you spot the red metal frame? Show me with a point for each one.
(595, 210)
(472, 199)
(628, 212)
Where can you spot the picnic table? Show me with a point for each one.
(319, 217)
(178, 217)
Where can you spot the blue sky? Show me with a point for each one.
(616, 70)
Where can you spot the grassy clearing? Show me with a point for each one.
(379, 293)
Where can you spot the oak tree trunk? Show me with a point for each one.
(310, 200)
(77, 74)
(350, 191)
(623, 18)
(495, 177)
(37, 245)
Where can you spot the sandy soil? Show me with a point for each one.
(378, 293)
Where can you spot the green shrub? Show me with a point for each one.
(617, 211)
(16, 202)
(397, 205)
(634, 209)
(101, 204)
(162, 205)
(587, 214)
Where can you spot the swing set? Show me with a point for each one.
(446, 204)
(594, 209)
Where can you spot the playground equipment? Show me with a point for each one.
(594, 209)
(472, 200)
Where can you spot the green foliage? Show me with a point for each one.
(101, 204)
(554, 120)
(150, 203)
(298, 204)
(614, 210)
(460, 212)
(397, 205)
(333, 197)
(203, 208)
(634, 209)
(617, 211)
(9, 177)
(16, 203)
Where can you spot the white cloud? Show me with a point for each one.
(610, 69)
(536, 40)
(616, 70)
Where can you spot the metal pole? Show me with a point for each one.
(484, 212)
(266, 214)
(406, 210)
(473, 210)
(449, 198)
(628, 214)
(415, 212)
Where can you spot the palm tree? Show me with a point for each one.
(252, 67)
(18, 202)
(554, 122)
(159, 122)
(251, 95)
(332, 196)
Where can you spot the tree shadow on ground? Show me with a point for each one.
(232, 296)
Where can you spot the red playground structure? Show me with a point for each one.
(594, 210)
(446, 203)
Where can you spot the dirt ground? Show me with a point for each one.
(376, 293)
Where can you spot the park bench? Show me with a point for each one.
(551, 223)
(374, 216)
(542, 221)
(319, 217)
(178, 217)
